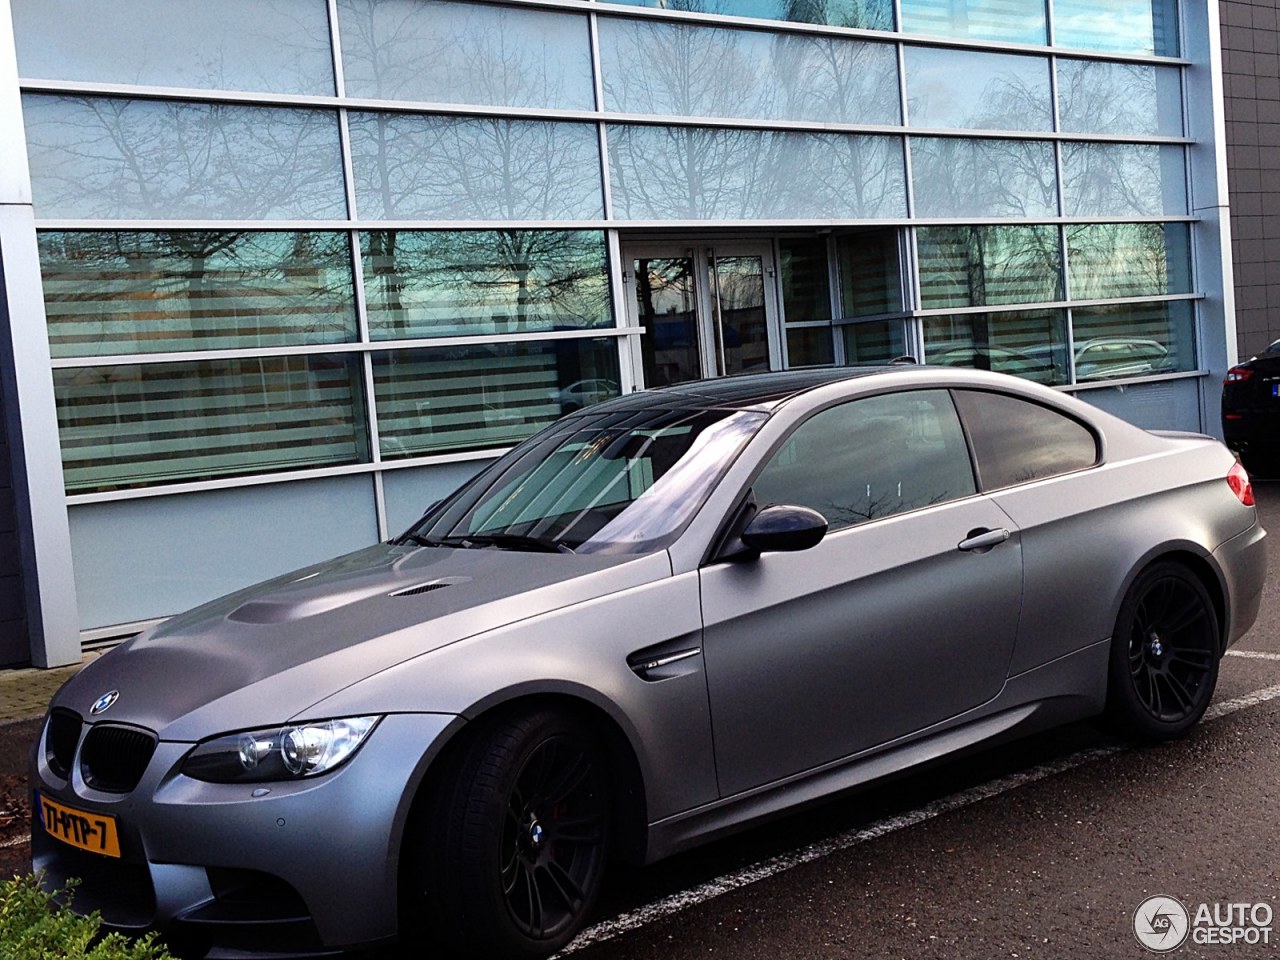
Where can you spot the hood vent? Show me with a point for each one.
(316, 597)
(428, 587)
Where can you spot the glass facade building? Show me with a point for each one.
(303, 265)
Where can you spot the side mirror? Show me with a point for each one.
(783, 527)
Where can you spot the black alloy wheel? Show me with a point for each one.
(1164, 655)
(553, 839)
(507, 856)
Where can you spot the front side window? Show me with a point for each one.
(872, 458)
(1017, 441)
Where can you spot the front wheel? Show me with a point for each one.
(510, 858)
(1164, 655)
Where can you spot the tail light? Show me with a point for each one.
(1237, 375)
(1238, 481)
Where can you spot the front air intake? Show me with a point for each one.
(114, 757)
(60, 740)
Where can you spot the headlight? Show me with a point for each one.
(283, 753)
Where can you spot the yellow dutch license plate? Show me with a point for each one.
(95, 832)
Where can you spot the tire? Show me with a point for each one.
(1164, 655)
(509, 855)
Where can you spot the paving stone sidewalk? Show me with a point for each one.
(25, 692)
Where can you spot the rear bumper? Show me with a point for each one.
(1243, 562)
(1252, 428)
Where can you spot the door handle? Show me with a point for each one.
(981, 540)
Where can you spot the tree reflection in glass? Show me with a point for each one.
(867, 14)
(447, 52)
(452, 283)
(1128, 259)
(980, 265)
(410, 166)
(966, 89)
(1137, 99)
(1123, 179)
(275, 46)
(117, 292)
(692, 173)
(983, 178)
(109, 158)
(685, 70)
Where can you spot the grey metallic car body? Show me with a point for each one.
(989, 643)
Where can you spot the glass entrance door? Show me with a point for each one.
(706, 310)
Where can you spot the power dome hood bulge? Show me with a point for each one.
(266, 654)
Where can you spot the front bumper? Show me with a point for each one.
(306, 866)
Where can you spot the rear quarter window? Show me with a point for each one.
(1017, 441)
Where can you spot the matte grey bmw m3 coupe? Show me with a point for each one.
(659, 619)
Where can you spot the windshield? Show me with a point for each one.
(624, 482)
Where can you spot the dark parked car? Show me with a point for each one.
(656, 621)
(1251, 410)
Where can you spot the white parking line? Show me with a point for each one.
(684, 899)
(1253, 654)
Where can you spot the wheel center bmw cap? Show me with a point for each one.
(104, 702)
(536, 834)
(1157, 646)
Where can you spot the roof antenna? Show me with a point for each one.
(903, 360)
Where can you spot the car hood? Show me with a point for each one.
(264, 655)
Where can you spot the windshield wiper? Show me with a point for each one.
(519, 541)
(462, 542)
(515, 541)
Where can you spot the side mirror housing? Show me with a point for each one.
(783, 527)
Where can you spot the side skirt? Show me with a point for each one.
(1069, 688)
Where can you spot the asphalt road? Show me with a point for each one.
(1053, 865)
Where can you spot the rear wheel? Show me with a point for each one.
(509, 859)
(1164, 654)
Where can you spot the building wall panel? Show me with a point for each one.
(1251, 67)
